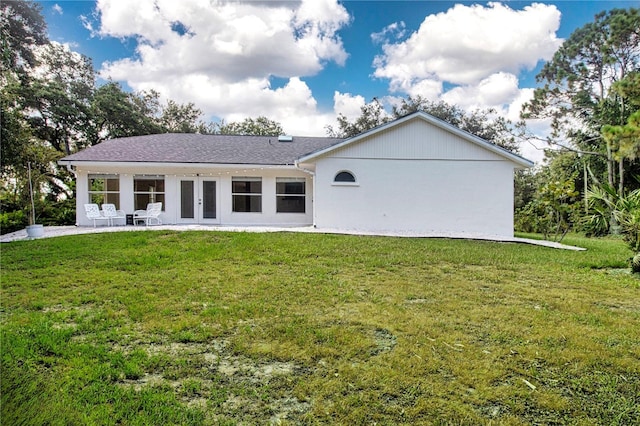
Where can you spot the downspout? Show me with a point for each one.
(313, 184)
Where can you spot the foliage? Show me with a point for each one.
(524, 182)
(551, 211)
(245, 328)
(185, 118)
(635, 263)
(116, 113)
(56, 98)
(13, 221)
(22, 27)
(605, 202)
(372, 115)
(16, 132)
(261, 126)
(625, 138)
(579, 95)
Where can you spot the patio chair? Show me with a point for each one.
(109, 211)
(93, 213)
(152, 213)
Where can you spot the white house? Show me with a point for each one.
(416, 174)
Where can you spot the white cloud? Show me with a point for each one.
(396, 30)
(57, 9)
(348, 105)
(496, 91)
(221, 55)
(466, 44)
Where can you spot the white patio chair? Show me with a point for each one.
(93, 213)
(152, 213)
(110, 211)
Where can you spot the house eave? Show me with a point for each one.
(145, 164)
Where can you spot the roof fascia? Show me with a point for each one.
(141, 164)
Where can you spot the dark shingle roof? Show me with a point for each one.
(196, 148)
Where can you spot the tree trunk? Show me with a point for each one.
(621, 177)
(610, 170)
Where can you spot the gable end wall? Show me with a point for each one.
(416, 140)
(416, 179)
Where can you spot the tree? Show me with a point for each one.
(56, 98)
(261, 126)
(372, 115)
(553, 206)
(184, 118)
(626, 138)
(22, 27)
(116, 113)
(577, 95)
(15, 131)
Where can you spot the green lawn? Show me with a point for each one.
(243, 328)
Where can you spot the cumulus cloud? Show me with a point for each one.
(469, 43)
(348, 105)
(57, 9)
(476, 50)
(490, 92)
(222, 55)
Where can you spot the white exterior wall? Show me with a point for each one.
(223, 177)
(416, 196)
(416, 178)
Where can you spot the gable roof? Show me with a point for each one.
(197, 148)
(521, 162)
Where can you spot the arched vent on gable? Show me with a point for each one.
(345, 177)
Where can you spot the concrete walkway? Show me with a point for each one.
(57, 231)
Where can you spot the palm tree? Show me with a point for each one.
(606, 203)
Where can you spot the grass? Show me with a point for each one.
(242, 328)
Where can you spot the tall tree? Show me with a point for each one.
(626, 138)
(372, 115)
(577, 95)
(185, 118)
(14, 129)
(57, 98)
(22, 31)
(116, 113)
(22, 28)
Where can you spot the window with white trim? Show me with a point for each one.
(290, 195)
(246, 194)
(104, 189)
(148, 189)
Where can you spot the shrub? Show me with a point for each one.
(13, 221)
(551, 212)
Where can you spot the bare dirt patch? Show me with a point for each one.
(242, 379)
(385, 341)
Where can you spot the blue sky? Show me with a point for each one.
(303, 62)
